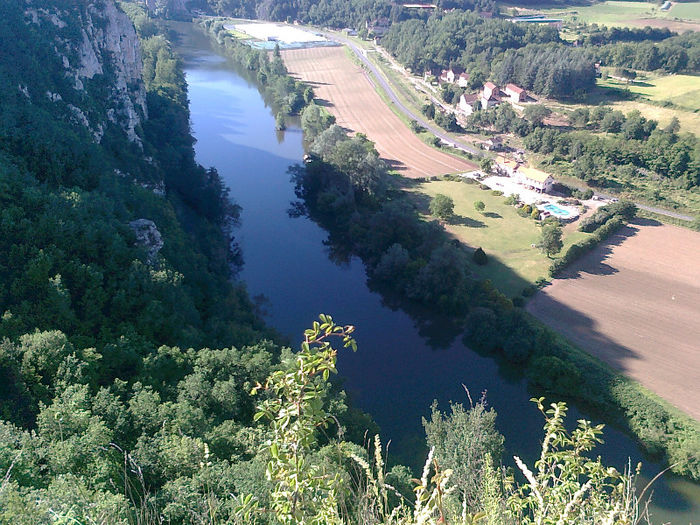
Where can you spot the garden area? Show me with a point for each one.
(499, 230)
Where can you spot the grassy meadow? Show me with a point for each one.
(681, 16)
(680, 90)
(499, 230)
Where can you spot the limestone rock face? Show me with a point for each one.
(103, 47)
(147, 236)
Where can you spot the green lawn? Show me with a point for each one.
(631, 14)
(503, 234)
(681, 90)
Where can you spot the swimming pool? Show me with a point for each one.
(557, 211)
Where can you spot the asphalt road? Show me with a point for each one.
(389, 90)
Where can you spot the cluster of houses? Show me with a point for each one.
(490, 96)
(531, 178)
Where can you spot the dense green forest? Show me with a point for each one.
(534, 56)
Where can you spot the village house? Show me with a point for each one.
(466, 102)
(494, 144)
(378, 27)
(453, 75)
(534, 179)
(516, 93)
(463, 80)
(506, 166)
(490, 95)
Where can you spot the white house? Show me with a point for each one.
(466, 102)
(463, 80)
(490, 96)
(516, 93)
(534, 179)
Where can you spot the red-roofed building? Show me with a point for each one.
(516, 93)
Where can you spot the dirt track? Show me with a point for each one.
(635, 303)
(345, 89)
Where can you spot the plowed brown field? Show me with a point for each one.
(344, 88)
(634, 302)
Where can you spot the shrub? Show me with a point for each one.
(480, 257)
(529, 290)
(578, 249)
(518, 301)
(554, 375)
(624, 209)
(442, 206)
(497, 193)
(479, 206)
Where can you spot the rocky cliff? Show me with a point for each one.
(99, 49)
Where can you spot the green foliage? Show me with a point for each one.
(479, 206)
(536, 113)
(550, 240)
(465, 441)
(566, 486)
(303, 493)
(314, 121)
(480, 257)
(442, 206)
(623, 209)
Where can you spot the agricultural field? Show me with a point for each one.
(345, 89)
(499, 230)
(681, 17)
(634, 302)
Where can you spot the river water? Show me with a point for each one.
(402, 364)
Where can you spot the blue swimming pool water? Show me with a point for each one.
(556, 210)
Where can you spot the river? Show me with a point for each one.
(401, 365)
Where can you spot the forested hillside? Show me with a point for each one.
(533, 55)
(115, 264)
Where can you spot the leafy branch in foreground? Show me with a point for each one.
(568, 487)
(304, 493)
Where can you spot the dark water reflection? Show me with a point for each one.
(402, 365)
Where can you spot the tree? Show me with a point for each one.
(479, 206)
(465, 440)
(674, 126)
(536, 113)
(442, 206)
(486, 164)
(480, 256)
(550, 241)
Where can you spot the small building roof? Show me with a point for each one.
(469, 97)
(490, 85)
(515, 88)
(534, 174)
